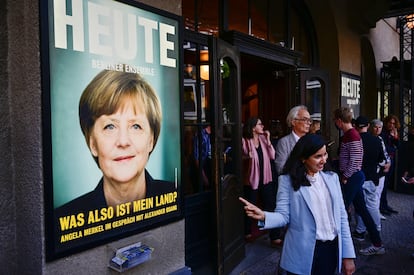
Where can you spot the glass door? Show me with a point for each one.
(198, 142)
(229, 211)
(214, 237)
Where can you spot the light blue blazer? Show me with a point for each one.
(294, 209)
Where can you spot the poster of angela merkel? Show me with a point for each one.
(111, 84)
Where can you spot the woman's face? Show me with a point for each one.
(316, 162)
(315, 126)
(258, 129)
(122, 143)
(391, 124)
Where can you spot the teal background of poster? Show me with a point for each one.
(74, 170)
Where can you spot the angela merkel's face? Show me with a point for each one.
(122, 143)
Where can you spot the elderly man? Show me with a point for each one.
(298, 119)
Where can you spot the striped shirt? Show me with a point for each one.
(351, 153)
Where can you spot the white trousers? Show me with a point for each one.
(372, 194)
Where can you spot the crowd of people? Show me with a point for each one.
(317, 196)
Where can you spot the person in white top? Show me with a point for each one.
(310, 202)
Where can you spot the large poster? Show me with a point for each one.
(111, 83)
(350, 92)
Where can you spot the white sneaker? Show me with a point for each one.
(383, 217)
(373, 250)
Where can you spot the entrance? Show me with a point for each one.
(224, 84)
(265, 90)
(214, 240)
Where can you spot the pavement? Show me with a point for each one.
(397, 235)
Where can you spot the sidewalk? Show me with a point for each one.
(397, 235)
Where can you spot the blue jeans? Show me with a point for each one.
(354, 194)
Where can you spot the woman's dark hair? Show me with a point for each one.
(248, 127)
(305, 147)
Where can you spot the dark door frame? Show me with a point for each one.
(229, 212)
(220, 204)
(261, 48)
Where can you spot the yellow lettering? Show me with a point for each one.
(70, 236)
(171, 208)
(154, 213)
(93, 230)
(100, 215)
(72, 221)
(123, 209)
(139, 217)
(123, 222)
(165, 199)
(143, 204)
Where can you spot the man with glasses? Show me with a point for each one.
(298, 119)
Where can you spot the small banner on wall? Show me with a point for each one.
(350, 92)
(112, 140)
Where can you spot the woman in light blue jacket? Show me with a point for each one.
(309, 201)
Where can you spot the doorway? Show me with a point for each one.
(214, 241)
(226, 82)
(265, 90)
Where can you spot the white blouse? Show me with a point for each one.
(322, 208)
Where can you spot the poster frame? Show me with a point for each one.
(53, 251)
